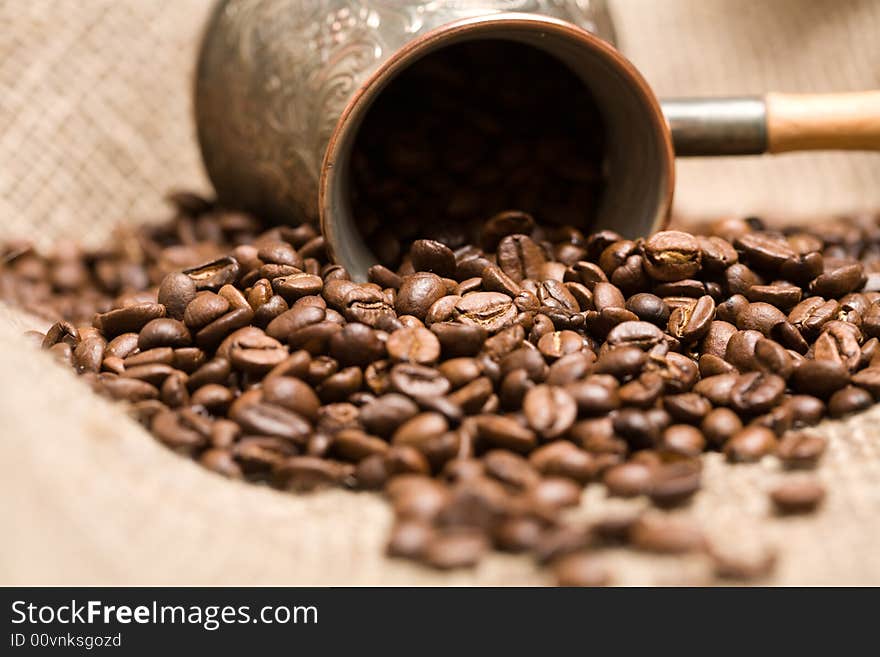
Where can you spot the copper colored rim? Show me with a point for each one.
(415, 49)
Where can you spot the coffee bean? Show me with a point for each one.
(666, 535)
(801, 449)
(672, 255)
(215, 274)
(756, 392)
(307, 473)
(675, 483)
(849, 400)
(642, 392)
(417, 293)
(409, 538)
(505, 432)
(413, 345)
(687, 407)
(649, 308)
(750, 444)
(128, 319)
(682, 439)
(295, 286)
(270, 420)
(491, 311)
(164, 332)
(798, 495)
(455, 548)
(717, 253)
(510, 469)
(764, 250)
(418, 380)
(549, 410)
(819, 378)
(176, 291)
(414, 431)
(517, 534)
(459, 339)
(355, 445)
(720, 425)
(428, 255)
(581, 569)
(519, 257)
(563, 459)
(628, 479)
(838, 282)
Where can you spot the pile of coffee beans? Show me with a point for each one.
(428, 165)
(482, 387)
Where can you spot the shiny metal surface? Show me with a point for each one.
(717, 126)
(274, 76)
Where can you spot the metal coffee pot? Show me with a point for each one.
(283, 87)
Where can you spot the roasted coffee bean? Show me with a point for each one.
(505, 432)
(649, 308)
(491, 311)
(756, 392)
(270, 420)
(176, 291)
(687, 407)
(682, 439)
(690, 323)
(413, 345)
(549, 410)
(672, 255)
(128, 319)
(367, 306)
(784, 297)
(560, 343)
(459, 339)
(295, 286)
(455, 548)
(666, 535)
(798, 495)
(819, 378)
(635, 334)
(673, 484)
(720, 425)
(638, 427)
(520, 257)
(428, 255)
(419, 428)
(628, 479)
(801, 449)
(164, 332)
(307, 473)
(214, 275)
(204, 309)
(642, 392)
(764, 251)
(563, 459)
(838, 282)
(717, 253)
(849, 400)
(418, 380)
(750, 444)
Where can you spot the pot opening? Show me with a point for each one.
(514, 114)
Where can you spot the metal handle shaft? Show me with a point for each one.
(717, 126)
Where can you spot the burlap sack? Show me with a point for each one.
(95, 126)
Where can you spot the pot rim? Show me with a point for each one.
(362, 99)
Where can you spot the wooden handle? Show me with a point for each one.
(809, 122)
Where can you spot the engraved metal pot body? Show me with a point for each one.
(283, 86)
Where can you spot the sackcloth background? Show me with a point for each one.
(95, 126)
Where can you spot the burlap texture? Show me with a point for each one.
(95, 126)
